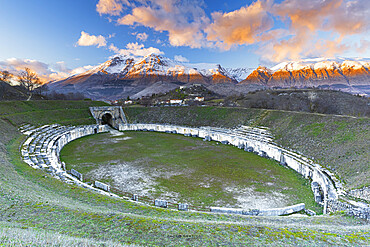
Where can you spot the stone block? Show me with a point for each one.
(253, 212)
(282, 211)
(310, 212)
(183, 206)
(76, 174)
(160, 203)
(102, 186)
(207, 138)
(226, 210)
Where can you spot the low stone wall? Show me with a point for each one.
(352, 210)
(363, 193)
(260, 212)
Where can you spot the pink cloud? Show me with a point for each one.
(136, 50)
(241, 26)
(183, 22)
(111, 7)
(91, 40)
(46, 72)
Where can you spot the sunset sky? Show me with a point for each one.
(60, 38)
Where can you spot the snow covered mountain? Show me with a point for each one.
(341, 74)
(239, 74)
(124, 76)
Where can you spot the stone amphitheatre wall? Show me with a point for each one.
(43, 145)
(259, 141)
(42, 148)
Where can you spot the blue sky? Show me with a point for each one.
(48, 34)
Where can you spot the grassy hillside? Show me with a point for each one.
(38, 210)
(338, 142)
(306, 100)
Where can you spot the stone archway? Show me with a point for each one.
(107, 119)
(110, 115)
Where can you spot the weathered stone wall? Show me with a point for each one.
(357, 211)
(261, 212)
(363, 193)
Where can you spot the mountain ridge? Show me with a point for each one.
(343, 74)
(123, 76)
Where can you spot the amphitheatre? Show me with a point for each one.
(182, 175)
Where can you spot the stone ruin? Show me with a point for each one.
(110, 115)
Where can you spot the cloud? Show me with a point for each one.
(280, 30)
(363, 46)
(344, 17)
(316, 28)
(142, 36)
(136, 50)
(241, 26)
(45, 72)
(180, 58)
(111, 7)
(182, 20)
(91, 40)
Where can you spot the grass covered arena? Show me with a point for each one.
(188, 170)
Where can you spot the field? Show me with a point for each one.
(38, 210)
(188, 170)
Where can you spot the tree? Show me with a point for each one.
(5, 75)
(29, 80)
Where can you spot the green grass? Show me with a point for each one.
(199, 172)
(315, 129)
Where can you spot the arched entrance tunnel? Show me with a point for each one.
(107, 119)
(110, 115)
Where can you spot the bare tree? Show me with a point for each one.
(5, 75)
(29, 80)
